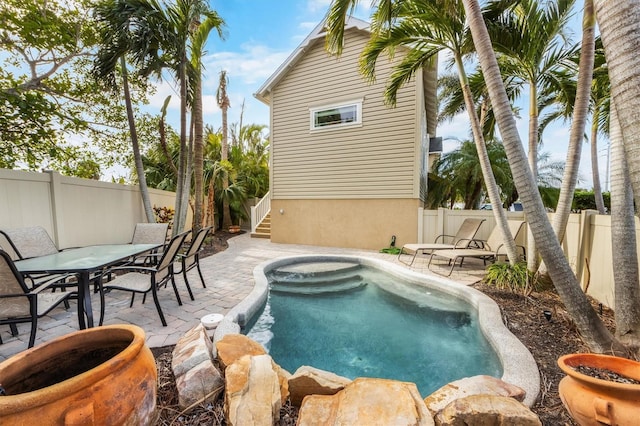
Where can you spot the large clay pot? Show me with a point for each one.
(593, 401)
(99, 376)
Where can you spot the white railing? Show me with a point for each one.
(260, 211)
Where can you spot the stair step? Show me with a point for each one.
(260, 235)
(325, 288)
(319, 270)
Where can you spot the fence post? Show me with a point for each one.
(442, 212)
(56, 206)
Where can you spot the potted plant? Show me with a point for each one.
(98, 376)
(600, 389)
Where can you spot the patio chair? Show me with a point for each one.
(462, 239)
(19, 304)
(149, 233)
(489, 249)
(33, 241)
(145, 279)
(191, 258)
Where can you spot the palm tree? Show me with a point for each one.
(600, 107)
(425, 27)
(116, 42)
(200, 35)
(224, 104)
(587, 321)
(618, 23)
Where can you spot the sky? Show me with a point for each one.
(261, 34)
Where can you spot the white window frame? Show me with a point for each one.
(313, 111)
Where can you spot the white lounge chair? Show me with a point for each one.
(462, 239)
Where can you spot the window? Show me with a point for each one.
(332, 116)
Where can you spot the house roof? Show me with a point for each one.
(264, 92)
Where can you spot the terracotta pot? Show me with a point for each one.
(593, 401)
(99, 376)
(234, 229)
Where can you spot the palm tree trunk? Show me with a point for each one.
(595, 168)
(618, 24)
(198, 156)
(532, 251)
(226, 210)
(485, 164)
(623, 241)
(142, 179)
(587, 321)
(181, 206)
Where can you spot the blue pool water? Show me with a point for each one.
(361, 322)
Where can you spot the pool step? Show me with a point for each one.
(319, 287)
(316, 269)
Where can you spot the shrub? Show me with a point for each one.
(516, 278)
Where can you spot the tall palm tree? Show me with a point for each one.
(600, 107)
(587, 321)
(115, 18)
(224, 104)
(425, 27)
(530, 39)
(619, 29)
(200, 35)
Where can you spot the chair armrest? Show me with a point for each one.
(442, 236)
(471, 242)
(131, 269)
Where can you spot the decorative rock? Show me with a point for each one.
(234, 346)
(202, 383)
(192, 349)
(367, 401)
(312, 381)
(486, 410)
(476, 385)
(252, 394)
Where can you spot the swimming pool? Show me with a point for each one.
(500, 353)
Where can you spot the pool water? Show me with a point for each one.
(358, 321)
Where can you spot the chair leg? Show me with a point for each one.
(14, 329)
(133, 296)
(101, 304)
(157, 302)
(175, 290)
(200, 273)
(34, 329)
(186, 282)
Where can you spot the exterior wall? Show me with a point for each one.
(366, 224)
(379, 159)
(75, 212)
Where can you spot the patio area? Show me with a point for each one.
(229, 279)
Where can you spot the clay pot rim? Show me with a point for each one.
(613, 363)
(76, 383)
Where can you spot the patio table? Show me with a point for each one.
(83, 261)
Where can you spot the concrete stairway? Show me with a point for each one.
(263, 230)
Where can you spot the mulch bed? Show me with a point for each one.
(547, 339)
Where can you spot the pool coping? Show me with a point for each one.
(519, 366)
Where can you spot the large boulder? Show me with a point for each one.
(367, 401)
(486, 410)
(234, 346)
(201, 384)
(312, 381)
(193, 348)
(252, 391)
(476, 385)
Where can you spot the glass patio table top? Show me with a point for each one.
(83, 261)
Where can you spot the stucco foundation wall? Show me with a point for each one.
(364, 223)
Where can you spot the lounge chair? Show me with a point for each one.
(20, 304)
(140, 279)
(191, 258)
(462, 239)
(489, 250)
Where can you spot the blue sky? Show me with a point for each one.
(261, 34)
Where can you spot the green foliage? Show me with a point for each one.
(163, 214)
(585, 200)
(516, 278)
(391, 250)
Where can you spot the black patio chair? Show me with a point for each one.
(191, 258)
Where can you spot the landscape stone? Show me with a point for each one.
(234, 346)
(202, 383)
(476, 385)
(312, 381)
(486, 410)
(252, 394)
(193, 348)
(367, 401)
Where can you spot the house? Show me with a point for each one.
(346, 169)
